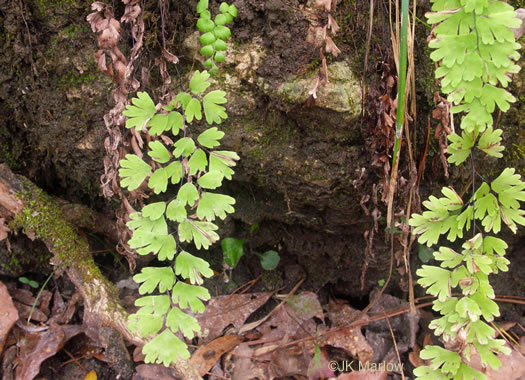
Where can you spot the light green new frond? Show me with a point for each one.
(502, 14)
(210, 137)
(184, 99)
(501, 55)
(452, 49)
(188, 194)
(175, 122)
(177, 319)
(429, 231)
(466, 372)
(139, 223)
(211, 205)
(202, 6)
(489, 142)
(148, 320)
(158, 152)
(445, 5)
(158, 305)
(506, 180)
(436, 280)
(211, 180)
(133, 171)
(484, 264)
(448, 257)
(145, 324)
(140, 112)
(199, 82)
(487, 356)
(154, 210)
(511, 217)
(176, 211)
(499, 346)
(479, 331)
(493, 245)
(164, 246)
(212, 110)
(150, 278)
(460, 273)
(184, 146)
(452, 200)
(436, 211)
(489, 308)
(460, 147)
(222, 161)
(427, 373)
(477, 118)
(494, 95)
(158, 124)
(197, 162)
(510, 189)
(446, 307)
(449, 361)
(467, 307)
(205, 25)
(485, 203)
(192, 268)
(193, 110)
(439, 219)
(158, 181)
(202, 233)
(174, 171)
(184, 295)
(165, 349)
(484, 285)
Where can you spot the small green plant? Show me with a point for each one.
(31, 283)
(269, 259)
(233, 250)
(214, 32)
(476, 51)
(197, 168)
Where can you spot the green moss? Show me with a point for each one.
(48, 8)
(73, 80)
(72, 30)
(44, 218)
(12, 265)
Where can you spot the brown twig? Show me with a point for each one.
(393, 340)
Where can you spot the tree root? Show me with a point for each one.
(28, 208)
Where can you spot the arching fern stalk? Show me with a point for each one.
(476, 50)
(197, 168)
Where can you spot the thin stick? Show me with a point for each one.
(393, 340)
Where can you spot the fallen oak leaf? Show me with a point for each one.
(228, 310)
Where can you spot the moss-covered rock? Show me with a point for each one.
(342, 92)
